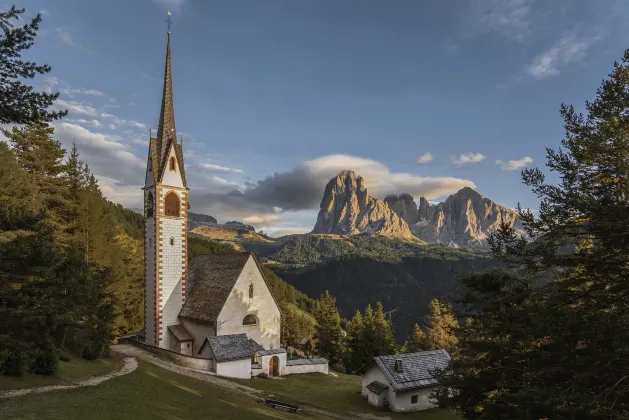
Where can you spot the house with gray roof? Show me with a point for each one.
(403, 382)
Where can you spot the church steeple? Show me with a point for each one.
(166, 129)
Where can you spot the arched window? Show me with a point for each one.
(149, 205)
(171, 204)
(250, 291)
(172, 164)
(250, 320)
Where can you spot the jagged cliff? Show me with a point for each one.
(347, 209)
(465, 219)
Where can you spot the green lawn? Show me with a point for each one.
(71, 371)
(149, 392)
(340, 394)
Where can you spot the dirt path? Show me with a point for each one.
(130, 364)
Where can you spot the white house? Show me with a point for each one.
(403, 382)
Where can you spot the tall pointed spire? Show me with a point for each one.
(166, 129)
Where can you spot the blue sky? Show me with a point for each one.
(275, 97)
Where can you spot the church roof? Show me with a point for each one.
(211, 279)
(230, 347)
(166, 131)
(180, 332)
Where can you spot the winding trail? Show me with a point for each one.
(130, 364)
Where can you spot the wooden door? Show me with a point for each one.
(274, 365)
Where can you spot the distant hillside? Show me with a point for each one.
(195, 220)
(239, 239)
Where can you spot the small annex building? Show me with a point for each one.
(403, 382)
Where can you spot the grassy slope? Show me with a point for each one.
(147, 393)
(70, 371)
(340, 394)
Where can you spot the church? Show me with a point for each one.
(218, 313)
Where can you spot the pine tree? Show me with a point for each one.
(19, 104)
(369, 332)
(440, 324)
(328, 334)
(548, 336)
(385, 337)
(356, 352)
(417, 341)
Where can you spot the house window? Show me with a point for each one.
(251, 291)
(171, 165)
(414, 399)
(188, 345)
(171, 204)
(172, 241)
(250, 320)
(149, 205)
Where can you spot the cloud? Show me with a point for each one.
(105, 154)
(220, 168)
(76, 108)
(67, 39)
(514, 165)
(149, 77)
(90, 123)
(86, 92)
(513, 18)
(266, 220)
(170, 4)
(569, 49)
(425, 158)
(466, 158)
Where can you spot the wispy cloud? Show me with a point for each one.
(148, 77)
(86, 92)
(220, 168)
(514, 165)
(467, 158)
(569, 49)
(67, 39)
(513, 18)
(425, 158)
(76, 108)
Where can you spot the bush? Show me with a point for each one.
(65, 357)
(14, 364)
(47, 360)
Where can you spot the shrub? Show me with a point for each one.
(47, 360)
(14, 364)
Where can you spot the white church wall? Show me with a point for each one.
(199, 331)
(171, 268)
(235, 369)
(265, 361)
(149, 280)
(293, 370)
(170, 177)
(267, 331)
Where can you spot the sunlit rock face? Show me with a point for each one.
(348, 209)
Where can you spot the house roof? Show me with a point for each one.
(264, 352)
(180, 333)
(418, 369)
(211, 279)
(255, 347)
(377, 387)
(229, 347)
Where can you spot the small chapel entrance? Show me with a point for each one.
(274, 366)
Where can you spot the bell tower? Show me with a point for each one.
(166, 225)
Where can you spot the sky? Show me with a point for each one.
(273, 98)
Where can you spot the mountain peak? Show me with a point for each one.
(347, 209)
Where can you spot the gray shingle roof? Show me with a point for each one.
(211, 279)
(255, 346)
(377, 387)
(417, 368)
(264, 352)
(180, 332)
(230, 347)
(300, 362)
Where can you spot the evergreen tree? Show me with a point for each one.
(417, 341)
(19, 104)
(385, 337)
(548, 336)
(369, 332)
(440, 324)
(328, 335)
(355, 346)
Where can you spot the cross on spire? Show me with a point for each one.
(169, 21)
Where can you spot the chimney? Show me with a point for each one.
(398, 365)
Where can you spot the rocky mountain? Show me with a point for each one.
(348, 209)
(465, 219)
(196, 220)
